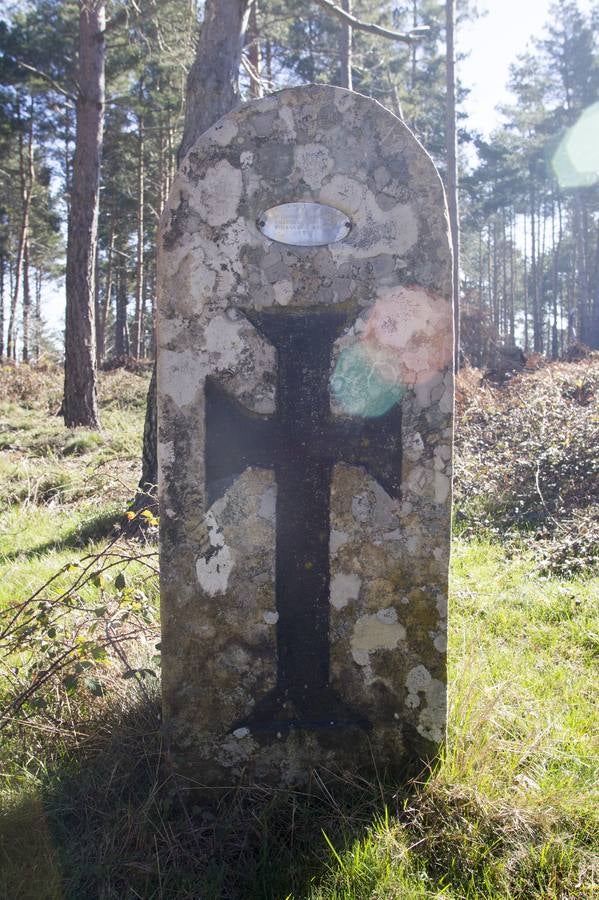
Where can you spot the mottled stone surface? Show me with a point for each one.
(388, 555)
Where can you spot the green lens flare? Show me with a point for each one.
(365, 382)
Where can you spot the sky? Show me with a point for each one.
(491, 43)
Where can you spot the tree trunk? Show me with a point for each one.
(254, 52)
(172, 162)
(213, 81)
(413, 47)
(268, 61)
(26, 301)
(98, 311)
(525, 298)
(162, 170)
(452, 169)
(584, 289)
(26, 174)
(489, 358)
(121, 331)
(555, 252)
(476, 359)
(139, 266)
(571, 337)
(594, 302)
(37, 327)
(537, 331)
(542, 218)
(105, 304)
(504, 312)
(67, 161)
(495, 281)
(80, 405)
(2, 272)
(345, 50)
(512, 280)
(144, 307)
(27, 190)
(212, 91)
(146, 491)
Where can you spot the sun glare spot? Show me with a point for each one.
(576, 160)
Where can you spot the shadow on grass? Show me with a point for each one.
(111, 824)
(94, 529)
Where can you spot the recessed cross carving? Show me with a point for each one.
(301, 441)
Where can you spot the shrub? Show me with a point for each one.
(527, 463)
(32, 386)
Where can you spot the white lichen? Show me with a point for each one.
(372, 633)
(214, 567)
(431, 719)
(344, 587)
(241, 733)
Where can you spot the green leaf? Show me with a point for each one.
(120, 582)
(83, 665)
(145, 672)
(70, 683)
(38, 703)
(94, 686)
(131, 673)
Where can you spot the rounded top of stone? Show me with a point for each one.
(313, 113)
(310, 144)
(341, 100)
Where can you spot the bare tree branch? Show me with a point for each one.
(254, 76)
(53, 84)
(348, 19)
(123, 15)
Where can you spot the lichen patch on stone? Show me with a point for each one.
(214, 568)
(344, 588)
(372, 633)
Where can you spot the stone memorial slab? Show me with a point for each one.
(305, 443)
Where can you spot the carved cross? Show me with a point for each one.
(301, 441)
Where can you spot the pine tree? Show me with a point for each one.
(80, 403)
(212, 90)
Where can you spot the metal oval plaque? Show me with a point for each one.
(304, 224)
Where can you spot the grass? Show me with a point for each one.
(62, 490)
(509, 811)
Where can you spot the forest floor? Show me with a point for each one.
(509, 811)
